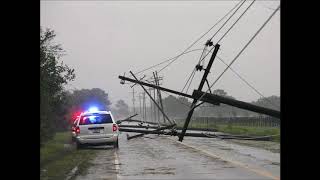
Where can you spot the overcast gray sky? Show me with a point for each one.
(104, 39)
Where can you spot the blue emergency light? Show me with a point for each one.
(93, 109)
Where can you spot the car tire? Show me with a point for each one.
(79, 146)
(116, 144)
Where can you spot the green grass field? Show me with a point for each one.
(239, 130)
(58, 157)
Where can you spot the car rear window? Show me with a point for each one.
(95, 119)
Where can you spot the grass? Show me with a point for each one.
(56, 161)
(239, 130)
(55, 147)
(250, 131)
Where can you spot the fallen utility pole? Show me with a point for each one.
(157, 131)
(198, 95)
(206, 135)
(139, 121)
(211, 98)
(131, 116)
(154, 86)
(216, 100)
(138, 126)
(172, 124)
(128, 118)
(155, 127)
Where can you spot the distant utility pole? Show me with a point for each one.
(150, 89)
(133, 99)
(140, 106)
(144, 106)
(155, 81)
(154, 108)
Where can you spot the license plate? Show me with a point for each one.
(96, 130)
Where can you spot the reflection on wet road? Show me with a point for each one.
(161, 157)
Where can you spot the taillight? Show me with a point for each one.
(114, 127)
(77, 130)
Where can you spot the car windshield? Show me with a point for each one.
(95, 119)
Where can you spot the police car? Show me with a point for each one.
(95, 128)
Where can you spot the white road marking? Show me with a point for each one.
(116, 162)
(72, 172)
(258, 171)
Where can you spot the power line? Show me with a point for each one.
(247, 82)
(194, 69)
(228, 19)
(230, 28)
(190, 83)
(245, 46)
(236, 21)
(236, 57)
(167, 60)
(209, 30)
(192, 43)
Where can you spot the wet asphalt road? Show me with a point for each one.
(162, 157)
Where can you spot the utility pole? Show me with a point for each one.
(154, 109)
(133, 99)
(150, 89)
(159, 93)
(144, 106)
(140, 106)
(153, 100)
(203, 80)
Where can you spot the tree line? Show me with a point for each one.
(179, 107)
(58, 106)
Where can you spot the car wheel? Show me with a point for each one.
(116, 144)
(79, 146)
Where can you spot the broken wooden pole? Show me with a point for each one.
(206, 135)
(211, 98)
(152, 99)
(157, 131)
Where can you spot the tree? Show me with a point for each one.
(121, 109)
(53, 76)
(220, 92)
(218, 111)
(81, 100)
(176, 107)
(272, 102)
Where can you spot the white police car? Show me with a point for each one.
(95, 128)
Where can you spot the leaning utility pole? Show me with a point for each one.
(159, 94)
(203, 80)
(153, 100)
(155, 75)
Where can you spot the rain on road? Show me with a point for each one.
(163, 157)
